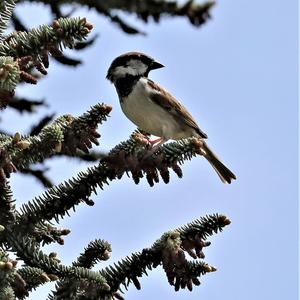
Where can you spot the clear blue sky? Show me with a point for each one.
(238, 77)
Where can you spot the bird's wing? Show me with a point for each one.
(165, 100)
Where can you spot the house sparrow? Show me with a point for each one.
(153, 109)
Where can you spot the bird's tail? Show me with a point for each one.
(224, 173)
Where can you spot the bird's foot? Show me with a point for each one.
(156, 142)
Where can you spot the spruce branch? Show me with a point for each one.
(17, 23)
(73, 62)
(137, 157)
(58, 200)
(7, 270)
(80, 133)
(9, 73)
(85, 44)
(196, 13)
(92, 156)
(40, 175)
(96, 250)
(132, 156)
(7, 206)
(25, 105)
(19, 26)
(7, 293)
(44, 233)
(65, 135)
(6, 165)
(6, 10)
(5, 98)
(20, 52)
(169, 252)
(37, 128)
(24, 150)
(27, 250)
(64, 33)
(66, 60)
(32, 278)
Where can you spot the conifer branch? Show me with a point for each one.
(66, 60)
(132, 156)
(21, 51)
(64, 33)
(9, 73)
(7, 208)
(80, 133)
(6, 10)
(92, 156)
(65, 135)
(17, 23)
(40, 175)
(7, 292)
(168, 251)
(31, 278)
(44, 233)
(6, 165)
(29, 252)
(7, 267)
(24, 150)
(37, 128)
(5, 98)
(196, 13)
(96, 250)
(25, 105)
(58, 200)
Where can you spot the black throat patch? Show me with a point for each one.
(124, 85)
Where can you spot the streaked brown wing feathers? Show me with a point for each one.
(171, 104)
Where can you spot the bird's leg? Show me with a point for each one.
(155, 144)
(157, 141)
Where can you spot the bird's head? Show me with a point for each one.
(131, 64)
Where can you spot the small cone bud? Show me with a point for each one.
(106, 286)
(14, 262)
(17, 137)
(52, 277)
(45, 278)
(9, 265)
(55, 24)
(106, 255)
(58, 147)
(23, 145)
(108, 108)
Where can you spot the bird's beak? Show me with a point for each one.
(156, 65)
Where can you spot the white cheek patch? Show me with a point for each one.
(134, 67)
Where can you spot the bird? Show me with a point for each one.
(153, 109)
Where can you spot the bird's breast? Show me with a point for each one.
(147, 115)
